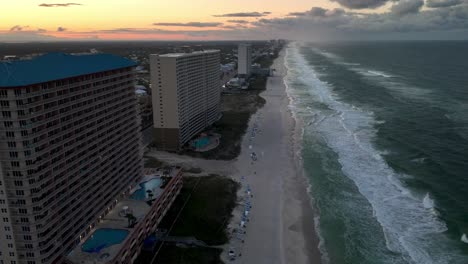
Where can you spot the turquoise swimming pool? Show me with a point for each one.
(142, 194)
(102, 238)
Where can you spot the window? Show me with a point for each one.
(15, 164)
(5, 220)
(13, 154)
(4, 210)
(18, 183)
(27, 237)
(19, 192)
(6, 113)
(8, 123)
(10, 134)
(11, 144)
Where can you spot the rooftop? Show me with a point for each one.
(178, 55)
(56, 66)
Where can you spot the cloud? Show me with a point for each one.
(404, 7)
(318, 12)
(24, 36)
(16, 28)
(315, 24)
(59, 5)
(190, 24)
(238, 21)
(61, 29)
(338, 24)
(245, 14)
(442, 3)
(361, 4)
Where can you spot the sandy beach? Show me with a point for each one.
(280, 226)
(281, 221)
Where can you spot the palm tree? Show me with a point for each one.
(131, 219)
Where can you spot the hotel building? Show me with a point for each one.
(186, 95)
(70, 151)
(244, 60)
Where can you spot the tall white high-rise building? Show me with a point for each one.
(186, 95)
(244, 60)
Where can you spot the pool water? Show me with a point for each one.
(141, 194)
(102, 238)
(201, 142)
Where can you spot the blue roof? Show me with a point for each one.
(56, 66)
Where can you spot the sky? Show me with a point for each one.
(314, 20)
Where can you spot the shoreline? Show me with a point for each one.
(301, 184)
(281, 227)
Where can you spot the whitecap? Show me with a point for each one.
(464, 239)
(350, 131)
(419, 160)
(379, 73)
(428, 202)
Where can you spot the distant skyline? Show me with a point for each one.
(315, 20)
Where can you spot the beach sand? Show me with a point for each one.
(281, 221)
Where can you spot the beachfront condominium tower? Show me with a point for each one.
(244, 60)
(186, 95)
(69, 148)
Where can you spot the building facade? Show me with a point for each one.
(186, 94)
(70, 146)
(244, 60)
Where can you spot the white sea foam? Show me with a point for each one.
(419, 160)
(387, 80)
(327, 54)
(406, 222)
(324, 253)
(378, 73)
(429, 204)
(464, 239)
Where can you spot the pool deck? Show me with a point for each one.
(115, 220)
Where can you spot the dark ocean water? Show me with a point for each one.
(385, 146)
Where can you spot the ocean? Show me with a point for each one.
(385, 147)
